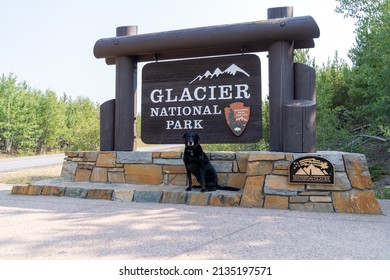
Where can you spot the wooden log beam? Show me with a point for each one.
(204, 41)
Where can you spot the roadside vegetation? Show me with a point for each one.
(353, 103)
(36, 122)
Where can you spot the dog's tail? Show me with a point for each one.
(225, 188)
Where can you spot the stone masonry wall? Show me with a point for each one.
(262, 176)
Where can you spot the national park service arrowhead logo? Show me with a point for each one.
(237, 117)
(311, 170)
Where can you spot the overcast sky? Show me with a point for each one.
(49, 43)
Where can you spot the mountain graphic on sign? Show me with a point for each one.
(231, 70)
(311, 170)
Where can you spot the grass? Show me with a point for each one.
(383, 193)
(24, 176)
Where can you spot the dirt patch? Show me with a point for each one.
(31, 175)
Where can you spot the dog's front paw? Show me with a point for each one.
(188, 189)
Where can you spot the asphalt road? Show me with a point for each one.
(11, 164)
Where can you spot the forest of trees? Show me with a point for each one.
(35, 122)
(353, 101)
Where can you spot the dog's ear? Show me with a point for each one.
(197, 137)
(185, 135)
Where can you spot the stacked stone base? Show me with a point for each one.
(262, 178)
(131, 193)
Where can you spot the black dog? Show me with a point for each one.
(197, 163)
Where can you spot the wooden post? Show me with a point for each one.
(107, 125)
(304, 82)
(304, 89)
(125, 97)
(299, 126)
(281, 79)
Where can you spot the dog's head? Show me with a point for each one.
(191, 139)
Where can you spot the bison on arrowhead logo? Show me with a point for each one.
(237, 117)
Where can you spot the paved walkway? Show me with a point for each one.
(46, 227)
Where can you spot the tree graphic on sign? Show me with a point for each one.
(232, 119)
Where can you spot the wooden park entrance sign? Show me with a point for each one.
(218, 97)
(216, 91)
(178, 96)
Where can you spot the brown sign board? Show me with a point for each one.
(219, 98)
